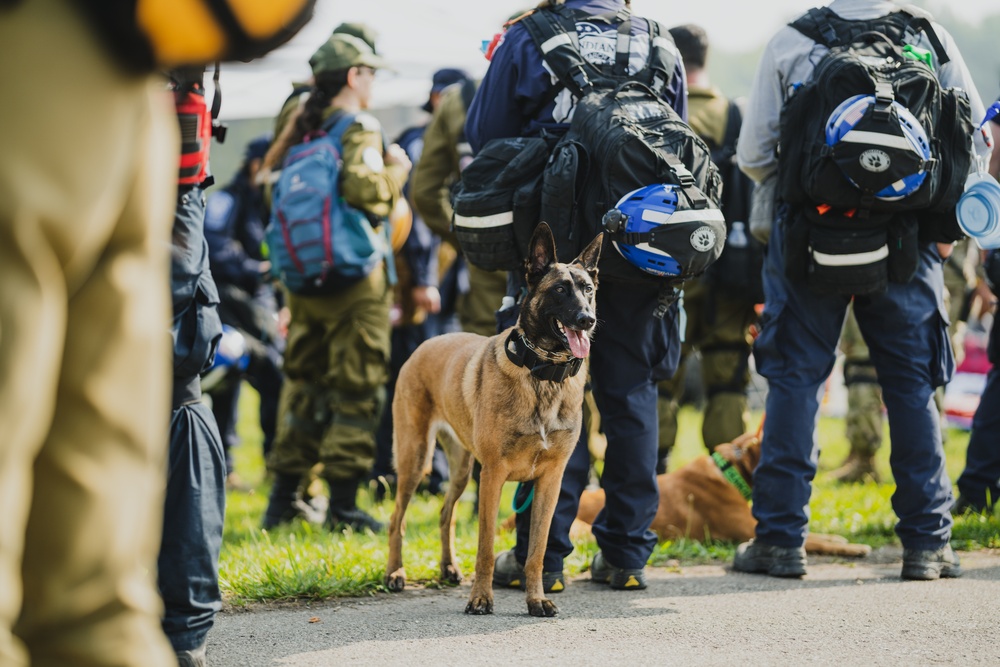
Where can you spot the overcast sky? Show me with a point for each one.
(418, 36)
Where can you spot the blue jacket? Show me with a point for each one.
(234, 229)
(196, 328)
(505, 104)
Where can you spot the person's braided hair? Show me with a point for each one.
(308, 117)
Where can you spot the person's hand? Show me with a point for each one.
(944, 249)
(983, 300)
(427, 297)
(396, 155)
(265, 268)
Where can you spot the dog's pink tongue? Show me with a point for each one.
(579, 343)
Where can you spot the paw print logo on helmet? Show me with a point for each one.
(653, 229)
(851, 124)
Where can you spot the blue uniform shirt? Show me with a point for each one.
(235, 231)
(505, 104)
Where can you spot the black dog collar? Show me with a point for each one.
(521, 354)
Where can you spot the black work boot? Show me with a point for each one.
(282, 506)
(757, 557)
(344, 512)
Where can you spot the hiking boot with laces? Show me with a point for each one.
(509, 573)
(759, 558)
(928, 564)
(619, 578)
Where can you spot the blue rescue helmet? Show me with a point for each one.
(656, 232)
(840, 127)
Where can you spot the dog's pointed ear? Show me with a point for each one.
(541, 252)
(591, 254)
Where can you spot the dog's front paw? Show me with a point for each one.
(479, 605)
(542, 607)
(396, 581)
(450, 574)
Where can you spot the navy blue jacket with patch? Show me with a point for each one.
(505, 104)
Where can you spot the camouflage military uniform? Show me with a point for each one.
(336, 359)
(437, 170)
(959, 281)
(864, 395)
(717, 325)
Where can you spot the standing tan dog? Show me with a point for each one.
(513, 401)
(708, 498)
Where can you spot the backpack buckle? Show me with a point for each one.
(580, 78)
(685, 178)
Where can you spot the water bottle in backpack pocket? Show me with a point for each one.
(318, 243)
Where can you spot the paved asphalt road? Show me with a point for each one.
(840, 614)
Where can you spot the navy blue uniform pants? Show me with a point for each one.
(979, 483)
(192, 526)
(906, 331)
(632, 351)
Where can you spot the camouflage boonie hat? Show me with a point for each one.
(362, 31)
(343, 51)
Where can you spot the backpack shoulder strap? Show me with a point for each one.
(734, 120)
(336, 125)
(662, 58)
(817, 24)
(733, 124)
(554, 33)
(824, 26)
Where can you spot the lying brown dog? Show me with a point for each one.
(514, 401)
(698, 501)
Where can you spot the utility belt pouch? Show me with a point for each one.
(845, 254)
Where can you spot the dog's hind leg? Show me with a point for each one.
(413, 442)
(460, 468)
(542, 508)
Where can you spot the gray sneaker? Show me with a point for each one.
(757, 557)
(194, 658)
(928, 565)
(509, 573)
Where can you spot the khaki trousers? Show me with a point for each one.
(88, 160)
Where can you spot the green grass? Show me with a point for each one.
(306, 562)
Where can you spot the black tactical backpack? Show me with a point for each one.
(622, 136)
(738, 270)
(867, 145)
